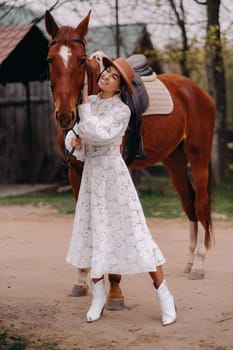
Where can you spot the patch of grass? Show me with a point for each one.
(223, 200)
(10, 340)
(165, 202)
(63, 202)
(158, 198)
(161, 205)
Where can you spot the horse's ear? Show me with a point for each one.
(82, 28)
(50, 24)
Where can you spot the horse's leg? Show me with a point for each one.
(197, 270)
(115, 297)
(176, 165)
(193, 231)
(201, 175)
(75, 176)
(80, 286)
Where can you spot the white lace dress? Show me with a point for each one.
(110, 234)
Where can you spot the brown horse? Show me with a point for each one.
(182, 137)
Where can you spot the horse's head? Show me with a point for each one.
(67, 64)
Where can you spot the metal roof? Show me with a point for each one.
(23, 51)
(10, 37)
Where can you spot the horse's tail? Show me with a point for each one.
(209, 235)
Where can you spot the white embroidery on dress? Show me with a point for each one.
(110, 233)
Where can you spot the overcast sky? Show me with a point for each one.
(158, 20)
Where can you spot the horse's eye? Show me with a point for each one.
(49, 60)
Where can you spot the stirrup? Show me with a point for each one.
(140, 155)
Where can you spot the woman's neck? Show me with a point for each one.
(105, 94)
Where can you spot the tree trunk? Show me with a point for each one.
(217, 89)
(180, 18)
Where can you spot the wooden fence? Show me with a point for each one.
(28, 148)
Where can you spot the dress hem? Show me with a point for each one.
(118, 272)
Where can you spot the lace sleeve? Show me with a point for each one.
(101, 131)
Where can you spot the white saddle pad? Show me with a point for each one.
(160, 99)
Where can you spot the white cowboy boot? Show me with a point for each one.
(98, 301)
(167, 304)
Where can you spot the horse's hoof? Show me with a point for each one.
(115, 304)
(197, 275)
(188, 268)
(78, 291)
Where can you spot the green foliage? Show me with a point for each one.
(223, 200)
(10, 341)
(228, 60)
(196, 65)
(171, 59)
(213, 49)
(213, 39)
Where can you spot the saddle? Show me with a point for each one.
(140, 65)
(138, 103)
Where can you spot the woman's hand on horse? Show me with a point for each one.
(85, 89)
(85, 78)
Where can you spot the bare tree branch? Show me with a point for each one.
(9, 8)
(180, 17)
(56, 5)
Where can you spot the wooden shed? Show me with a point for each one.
(28, 150)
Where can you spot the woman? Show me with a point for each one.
(110, 234)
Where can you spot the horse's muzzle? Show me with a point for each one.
(65, 120)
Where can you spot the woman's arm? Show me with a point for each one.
(101, 131)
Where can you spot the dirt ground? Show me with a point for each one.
(36, 282)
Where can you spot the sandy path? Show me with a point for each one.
(36, 281)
